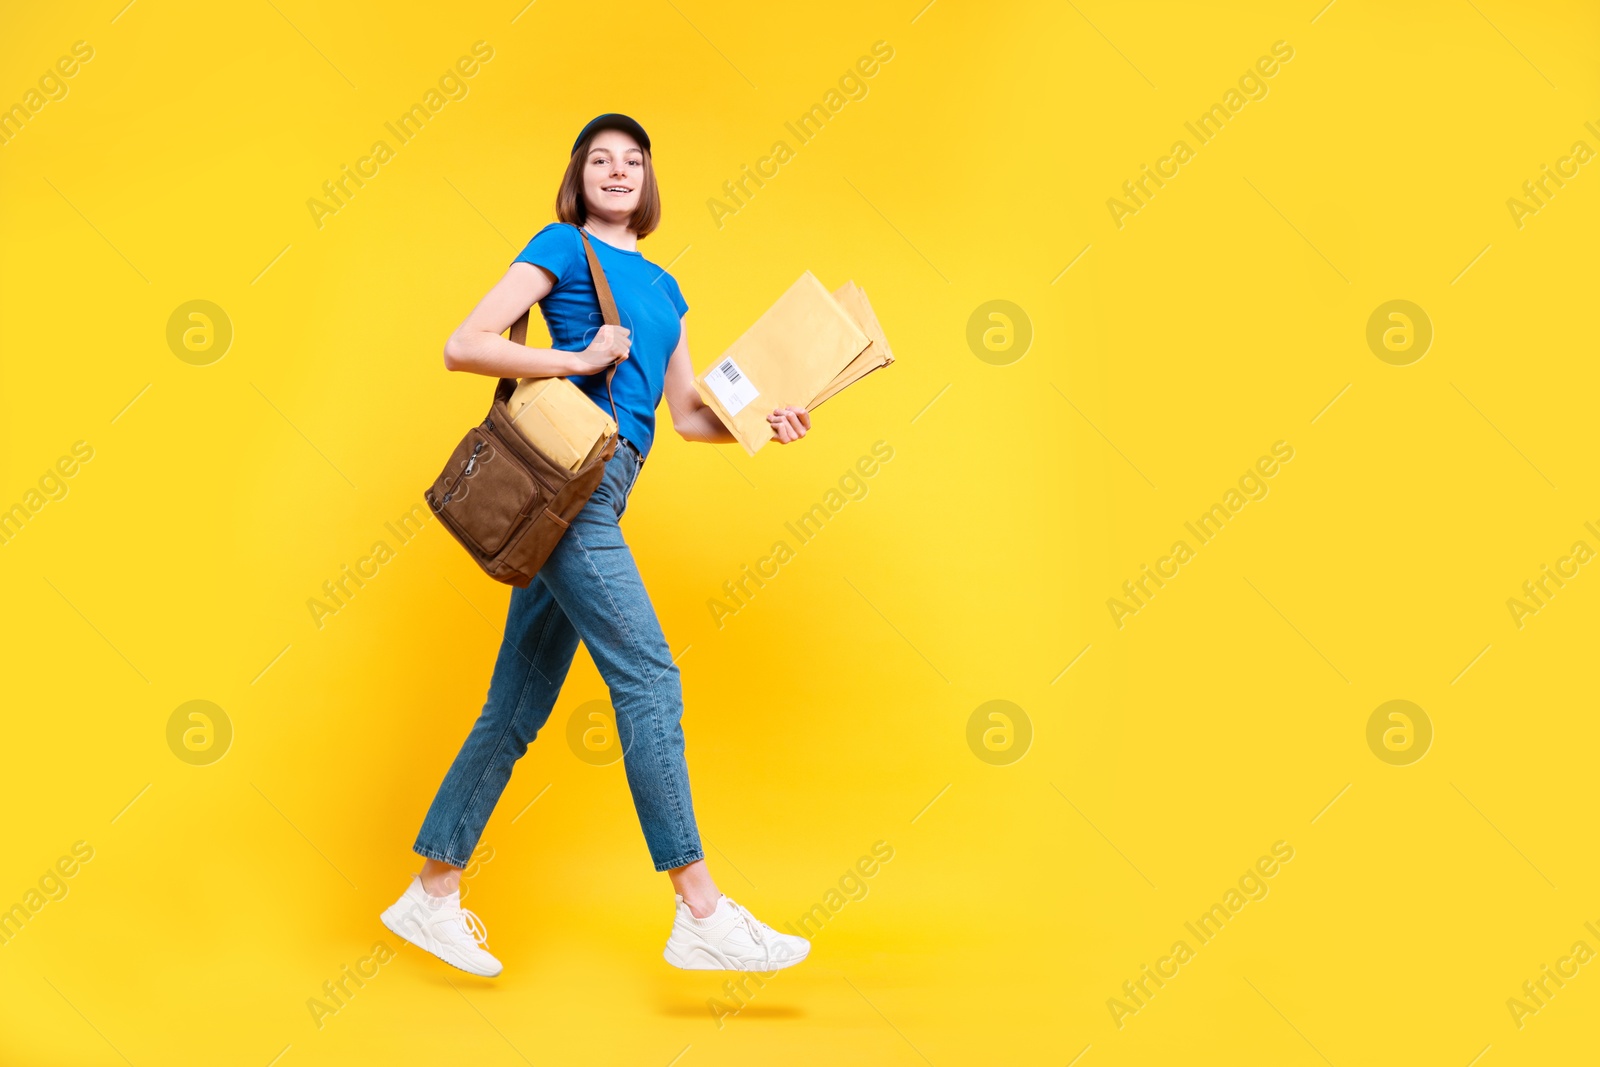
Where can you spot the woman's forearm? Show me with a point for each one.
(697, 422)
(479, 352)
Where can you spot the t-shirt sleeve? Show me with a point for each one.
(554, 249)
(676, 294)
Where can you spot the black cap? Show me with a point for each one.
(613, 121)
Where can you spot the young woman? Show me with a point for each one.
(590, 588)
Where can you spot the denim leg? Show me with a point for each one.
(593, 577)
(589, 588)
(532, 665)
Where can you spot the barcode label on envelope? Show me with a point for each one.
(731, 387)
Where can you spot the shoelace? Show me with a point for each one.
(755, 926)
(474, 926)
(751, 923)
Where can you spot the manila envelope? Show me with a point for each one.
(792, 352)
(559, 420)
(877, 354)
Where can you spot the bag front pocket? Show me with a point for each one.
(485, 493)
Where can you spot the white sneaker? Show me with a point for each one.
(440, 925)
(730, 939)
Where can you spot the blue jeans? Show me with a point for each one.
(589, 588)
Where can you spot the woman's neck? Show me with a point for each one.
(615, 234)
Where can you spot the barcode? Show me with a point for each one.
(729, 371)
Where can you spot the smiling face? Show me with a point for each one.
(613, 176)
(611, 179)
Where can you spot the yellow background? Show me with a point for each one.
(1225, 716)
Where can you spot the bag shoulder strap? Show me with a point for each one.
(608, 316)
(608, 310)
(602, 288)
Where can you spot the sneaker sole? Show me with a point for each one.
(702, 958)
(402, 935)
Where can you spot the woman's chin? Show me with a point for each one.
(613, 211)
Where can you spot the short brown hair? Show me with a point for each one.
(573, 209)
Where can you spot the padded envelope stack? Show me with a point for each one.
(805, 348)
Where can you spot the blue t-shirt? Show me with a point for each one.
(648, 302)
